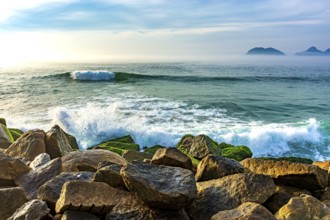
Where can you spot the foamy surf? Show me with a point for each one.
(95, 75)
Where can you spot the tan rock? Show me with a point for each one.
(131, 155)
(94, 197)
(5, 140)
(303, 207)
(57, 143)
(77, 215)
(171, 157)
(214, 167)
(228, 193)
(246, 211)
(322, 164)
(29, 145)
(293, 191)
(10, 200)
(90, 157)
(160, 186)
(300, 175)
(110, 175)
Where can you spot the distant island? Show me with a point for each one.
(264, 51)
(313, 51)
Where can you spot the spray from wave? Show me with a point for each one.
(87, 75)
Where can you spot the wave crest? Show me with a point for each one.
(95, 75)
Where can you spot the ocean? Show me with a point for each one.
(276, 106)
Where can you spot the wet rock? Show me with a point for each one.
(214, 167)
(51, 190)
(29, 145)
(110, 175)
(160, 186)
(57, 143)
(32, 180)
(303, 207)
(32, 210)
(228, 193)
(5, 137)
(10, 169)
(171, 157)
(90, 157)
(40, 160)
(131, 155)
(93, 197)
(10, 200)
(246, 211)
(299, 175)
(77, 215)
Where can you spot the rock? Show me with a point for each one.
(11, 200)
(72, 140)
(171, 157)
(77, 215)
(10, 169)
(119, 145)
(323, 165)
(3, 121)
(276, 201)
(160, 186)
(299, 175)
(264, 51)
(327, 217)
(57, 143)
(15, 133)
(32, 180)
(237, 153)
(29, 145)
(228, 193)
(40, 160)
(94, 197)
(199, 146)
(322, 194)
(51, 190)
(214, 167)
(131, 155)
(293, 191)
(85, 167)
(91, 157)
(110, 175)
(303, 207)
(246, 211)
(131, 208)
(6, 138)
(32, 210)
(153, 149)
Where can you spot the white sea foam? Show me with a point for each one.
(95, 75)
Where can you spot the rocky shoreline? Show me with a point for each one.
(43, 175)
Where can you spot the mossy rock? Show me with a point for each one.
(112, 149)
(120, 145)
(290, 159)
(7, 132)
(16, 133)
(72, 141)
(125, 139)
(3, 121)
(224, 145)
(238, 153)
(153, 149)
(182, 139)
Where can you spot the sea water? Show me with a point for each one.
(277, 108)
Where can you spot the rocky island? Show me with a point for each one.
(264, 51)
(43, 175)
(313, 51)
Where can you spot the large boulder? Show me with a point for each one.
(160, 186)
(171, 157)
(110, 175)
(303, 207)
(10, 200)
(94, 197)
(246, 211)
(214, 167)
(199, 146)
(51, 190)
(300, 175)
(131, 155)
(29, 145)
(40, 160)
(32, 210)
(6, 138)
(277, 200)
(228, 193)
(57, 143)
(77, 215)
(89, 157)
(237, 153)
(131, 208)
(32, 180)
(10, 169)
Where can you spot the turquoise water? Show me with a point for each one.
(276, 108)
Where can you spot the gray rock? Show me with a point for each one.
(94, 197)
(57, 143)
(214, 167)
(32, 180)
(110, 175)
(246, 211)
(32, 210)
(90, 157)
(10, 200)
(29, 145)
(160, 186)
(77, 215)
(171, 157)
(40, 160)
(228, 193)
(51, 190)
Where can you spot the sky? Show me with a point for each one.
(109, 30)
